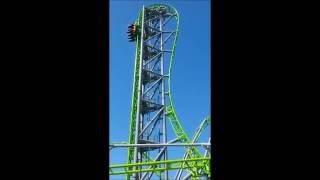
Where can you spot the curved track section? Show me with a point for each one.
(192, 152)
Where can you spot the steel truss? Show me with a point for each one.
(152, 105)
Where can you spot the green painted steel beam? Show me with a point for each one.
(159, 162)
(154, 170)
(201, 164)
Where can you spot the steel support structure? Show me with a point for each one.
(152, 106)
(151, 100)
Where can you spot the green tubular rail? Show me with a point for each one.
(200, 129)
(180, 133)
(134, 96)
(195, 138)
(172, 164)
(170, 112)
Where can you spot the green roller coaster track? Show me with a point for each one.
(193, 161)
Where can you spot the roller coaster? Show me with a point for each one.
(155, 33)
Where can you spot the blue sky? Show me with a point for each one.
(190, 76)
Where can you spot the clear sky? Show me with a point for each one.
(190, 76)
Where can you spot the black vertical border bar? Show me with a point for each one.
(102, 84)
(217, 97)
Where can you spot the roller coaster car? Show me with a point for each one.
(132, 32)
